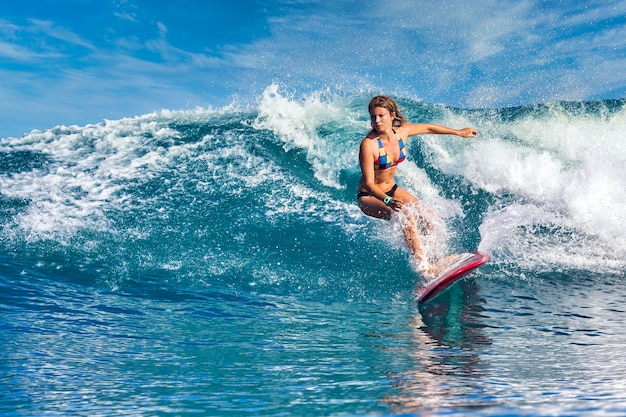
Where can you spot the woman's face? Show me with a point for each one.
(381, 119)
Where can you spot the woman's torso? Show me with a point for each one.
(394, 151)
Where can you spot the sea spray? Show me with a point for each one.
(541, 184)
(217, 262)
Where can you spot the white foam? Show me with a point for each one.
(86, 170)
(538, 238)
(556, 170)
(557, 178)
(415, 180)
(299, 123)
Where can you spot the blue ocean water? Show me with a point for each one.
(214, 262)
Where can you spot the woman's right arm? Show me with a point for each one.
(366, 160)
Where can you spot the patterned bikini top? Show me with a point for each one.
(382, 162)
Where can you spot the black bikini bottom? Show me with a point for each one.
(390, 193)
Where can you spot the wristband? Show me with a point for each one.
(387, 200)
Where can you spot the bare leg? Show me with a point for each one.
(441, 265)
(418, 224)
(416, 219)
(412, 237)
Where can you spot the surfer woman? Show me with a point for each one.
(380, 153)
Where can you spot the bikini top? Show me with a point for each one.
(381, 162)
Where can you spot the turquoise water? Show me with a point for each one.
(214, 262)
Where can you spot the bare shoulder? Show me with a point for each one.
(368, 145)
(369, 139)
(411, 129)
(402, 130)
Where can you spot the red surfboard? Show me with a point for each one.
(460, 267)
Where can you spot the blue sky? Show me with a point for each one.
(82, 61)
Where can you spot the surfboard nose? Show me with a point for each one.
(458, 268)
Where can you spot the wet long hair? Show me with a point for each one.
(390, 104)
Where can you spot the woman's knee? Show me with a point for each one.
(374, 208)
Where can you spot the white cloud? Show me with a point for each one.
(19, 53)
(50, 29)
(38, 40)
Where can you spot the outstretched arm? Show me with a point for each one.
(434, 129)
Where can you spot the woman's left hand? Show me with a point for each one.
(396, 204)
(468, 132)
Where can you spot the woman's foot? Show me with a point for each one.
(433, 271)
